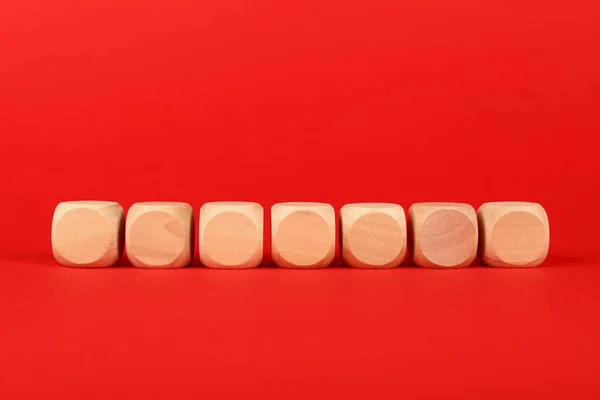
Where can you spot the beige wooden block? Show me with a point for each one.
(444, 235)
(159, 234)
(87, 233)
(231, 234)
(373, 235)
(303, 235)
(513, 234)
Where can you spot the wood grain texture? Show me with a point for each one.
(373, 235)
(303, 235)
(231, 234)
(159, 234)
(513, 234)
(87, 233)
(444, 235)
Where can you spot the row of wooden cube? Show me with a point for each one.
(374, 235)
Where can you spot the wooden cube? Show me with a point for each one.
(159, 234)
(373, 235)
(513, 234)
(444, 235)
(231, 234)
(87, 233)
(303, 235)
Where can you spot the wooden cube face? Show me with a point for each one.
(444, 235)
(303, 235)
(159, 234)
(231, 234)
(513, 234)
(87, 233)
(373, 235)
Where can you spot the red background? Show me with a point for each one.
(272, 101)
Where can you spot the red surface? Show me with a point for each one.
(274, 101)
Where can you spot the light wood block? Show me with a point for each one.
(303, 235)
(373, 235)
(159, 234)
(444, 235)
(87, 233)
(231, 234)
(513, 234)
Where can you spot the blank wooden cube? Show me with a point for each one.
(513, 234)
(231, 234)
(159, 234)
(373, 235)
(444, 235)
(87, 233)
(303, 235)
